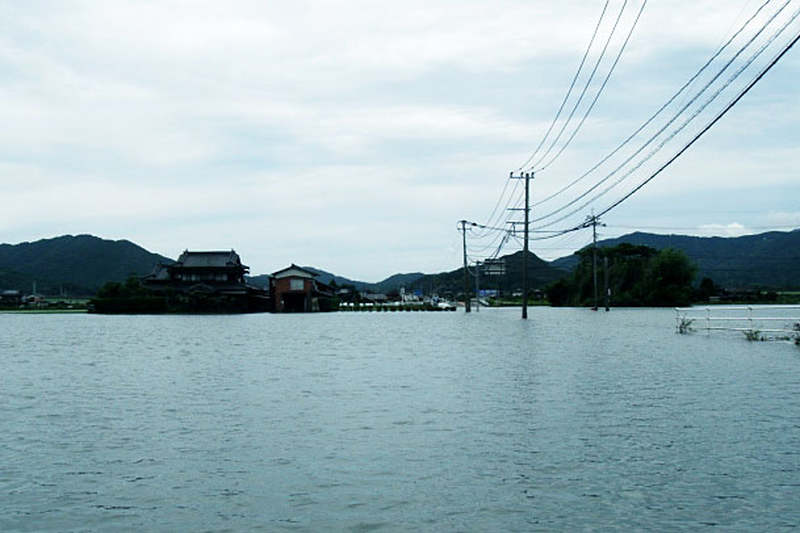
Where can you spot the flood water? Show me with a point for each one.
(394, 421)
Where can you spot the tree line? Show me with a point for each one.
(637, 276)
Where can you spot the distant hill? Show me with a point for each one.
(540, 273)
(77, 264)
(392, 283)
(262, 280)
(81, 264)
(766, 260)
(327, 277)
(397, 281)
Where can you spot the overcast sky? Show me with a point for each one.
(352, 136)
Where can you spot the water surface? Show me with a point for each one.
(394, 421)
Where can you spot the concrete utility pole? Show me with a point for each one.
(528, 176)
(594, 258)
(477, 286)
(594, 221)
(466, 273)
(605, 271)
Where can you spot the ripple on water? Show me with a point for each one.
(401, 421)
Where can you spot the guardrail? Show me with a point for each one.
(749, 319)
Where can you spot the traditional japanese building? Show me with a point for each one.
(212, 280)
(10, 298)
(296, 290)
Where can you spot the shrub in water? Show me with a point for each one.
(685, 325)
(753, 335)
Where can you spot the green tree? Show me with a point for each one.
(638, 276)
(706, 290)
(558, 292)
(668, 279)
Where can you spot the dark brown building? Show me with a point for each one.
(295, 290)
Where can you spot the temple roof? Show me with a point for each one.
(216, 259)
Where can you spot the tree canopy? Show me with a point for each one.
(638, 276)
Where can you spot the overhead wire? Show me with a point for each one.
(677, 115)
(657, 113)
(571, 87)
(585, 89)
(710, 125)
(719, 115)
(507, 235)
(672, 120)
(596, 96)
(491, 219)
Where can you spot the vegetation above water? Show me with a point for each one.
(131, 298)
(128, 297)
(637, 276)
(767, 260)
(47, 305)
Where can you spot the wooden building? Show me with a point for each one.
(10, 298)
(210, 281)
(296, 290)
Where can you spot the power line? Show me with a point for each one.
(676, 131)
(569, 91)
(658, 112)
(504, 235)
(585, 87)
(709, 126)
(490, 219)
(596, 96)
(675, 117)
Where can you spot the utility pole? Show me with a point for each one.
(594, 221)
(477, 286)
(466, 273)
(594, 258)
(527, 176)
(605, 271)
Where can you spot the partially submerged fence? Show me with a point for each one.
(768, 321)
(777, 321)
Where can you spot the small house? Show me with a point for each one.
(296, 290)
(10, 298)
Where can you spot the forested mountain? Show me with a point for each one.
(78, 265)
(766, 260)
(81, 264)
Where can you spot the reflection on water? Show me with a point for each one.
(406, 421)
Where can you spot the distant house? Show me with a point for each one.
(374, 297)
(10, 298)
(34, 300)
(203, 271)
(213, 279)
(295, 290)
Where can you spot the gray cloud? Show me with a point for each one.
(350, 136)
